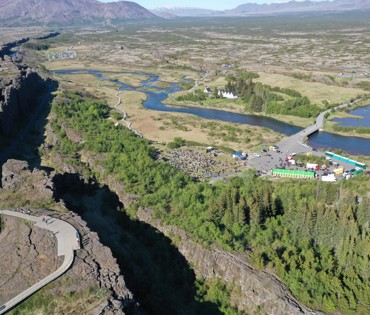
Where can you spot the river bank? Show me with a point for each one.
(155, 97)
(355, 121)
(235, 106)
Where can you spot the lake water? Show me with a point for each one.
(352, 145)
(364, 121)
(156, 96)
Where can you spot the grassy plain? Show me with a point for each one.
(315, 91)
(306, 54)
(164, 127)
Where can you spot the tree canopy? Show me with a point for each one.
(314, 235)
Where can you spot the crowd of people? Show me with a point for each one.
(200, 165)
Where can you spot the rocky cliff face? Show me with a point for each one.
(5, 49)
(258, 292)
(95, 271)
(20, 185)
(95, 266)
(19, 90)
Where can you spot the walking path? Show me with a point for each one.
(68, 241)
(124, 119)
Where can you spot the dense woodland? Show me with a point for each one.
(259, 97)
(315, 236)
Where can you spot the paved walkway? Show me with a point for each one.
(68, 241)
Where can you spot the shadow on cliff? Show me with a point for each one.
(154, 270)
(25, 144)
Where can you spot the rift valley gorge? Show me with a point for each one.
(157, 141)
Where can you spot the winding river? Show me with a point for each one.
(156, 95)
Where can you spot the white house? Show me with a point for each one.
(227, 94)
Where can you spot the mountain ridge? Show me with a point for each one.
(268, 9)
(69, 11)
(183, 11)
(300, 6)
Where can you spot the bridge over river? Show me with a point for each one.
(295, 143)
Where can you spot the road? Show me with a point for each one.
(295, 144)
(68, 242)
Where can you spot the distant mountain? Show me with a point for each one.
(21, 12)
(183, 11)
(266, 9)
(295, 7)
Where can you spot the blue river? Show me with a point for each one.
(156, 96)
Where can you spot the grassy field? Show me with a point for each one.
(316, 92)
(164, 127)
(50, 300)
(329, 127)
(294, 53)
(329, 124)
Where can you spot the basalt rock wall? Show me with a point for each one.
(20, 87)
(5, 49)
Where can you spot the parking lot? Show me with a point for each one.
(265, 162)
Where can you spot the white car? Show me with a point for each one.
(256, 154)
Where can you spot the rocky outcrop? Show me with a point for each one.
(95, 265)
(19, 90)
(258, 292)
(28, 254)
(20, 185)
(94, 269)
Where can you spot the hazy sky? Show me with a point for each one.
(206, 4)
